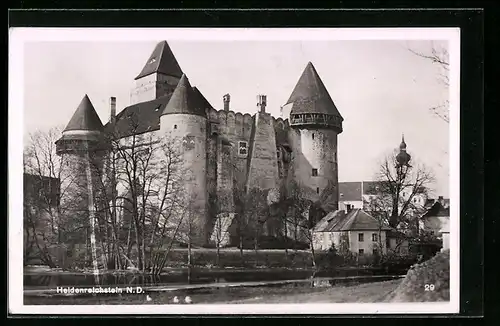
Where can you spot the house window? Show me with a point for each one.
(361, 251)
(361, 237)
(242, 148)
(374, 237)
(317, 190)
(375, 251)
(314, 172)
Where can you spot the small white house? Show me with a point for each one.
(445, 233)
(355, 228)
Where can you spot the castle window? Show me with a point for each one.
(175, 126)
(313, 136)
(317, 190)
(242, 148)
(314, 172)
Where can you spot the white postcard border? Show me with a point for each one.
(19, 36)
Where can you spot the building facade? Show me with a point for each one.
(224, 153)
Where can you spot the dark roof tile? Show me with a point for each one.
(311, 96)
(85, 117)
(184, 100)
(162, 61)
(350, 191)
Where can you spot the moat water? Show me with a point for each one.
(183, 277)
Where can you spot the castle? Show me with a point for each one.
(223, 149)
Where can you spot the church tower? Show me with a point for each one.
(315, 123)
(159, 76)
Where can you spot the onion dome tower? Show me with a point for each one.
(316, 123)
(184, 120)
(403, 158)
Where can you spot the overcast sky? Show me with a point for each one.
(381, 89)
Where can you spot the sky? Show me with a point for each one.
(381, 89)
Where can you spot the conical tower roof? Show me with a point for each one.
(161, 61)
(310, 95)
(85, 117)
(184, 100)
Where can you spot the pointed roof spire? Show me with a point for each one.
(85, 117)
(184, 100)
(310, 94)
(161, 61)
(403, 158)
(402, 146)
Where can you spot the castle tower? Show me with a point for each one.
(82, 148)
(184, 120)
(158, 77)
(315, 123)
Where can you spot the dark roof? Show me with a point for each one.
(184, 100)
(350, 191)
(140, 117)
(162, 61)
(356, 219)
(373, 187)
(203, 102)
(437, 210)
(310, 95)
(145, 116)
(85, 117)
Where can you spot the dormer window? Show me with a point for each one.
(153, 60)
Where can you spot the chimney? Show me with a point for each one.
(112, 108)
(262, 102)
(226, 98)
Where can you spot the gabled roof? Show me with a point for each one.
(161, 61)
(350, 191)
(310, 95)
(356, 219)
(85, 117)
(184, 100)
(145, 117)
(437, 210)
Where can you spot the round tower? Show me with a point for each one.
(315, 123)
(82, 148)
(184, 120)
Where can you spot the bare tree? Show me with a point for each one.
(393, 196)
(148, 169)
(438, 55)
(47, 224)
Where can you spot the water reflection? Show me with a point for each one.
(184, 276)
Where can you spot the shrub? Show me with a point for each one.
(330, 258)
